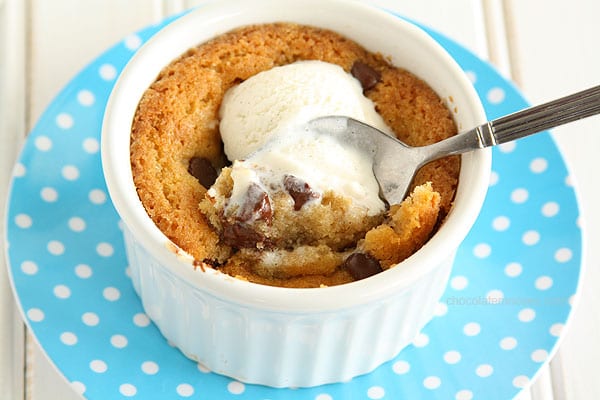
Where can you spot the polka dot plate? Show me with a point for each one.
(508, 300)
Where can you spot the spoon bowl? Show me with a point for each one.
(395, 163)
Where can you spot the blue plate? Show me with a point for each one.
(509, 297)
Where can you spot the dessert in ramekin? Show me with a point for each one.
(275, 335)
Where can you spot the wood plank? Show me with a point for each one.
(560, 55)
(542, 388)
(12, 128)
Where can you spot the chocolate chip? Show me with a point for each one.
(257, 205)
(366, 75)
(299, 190)
(208, 261)
(239, 235)
(202, 169)
(361, 265)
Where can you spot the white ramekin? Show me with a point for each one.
(270, 335)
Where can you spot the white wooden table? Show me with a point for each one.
(549, 48)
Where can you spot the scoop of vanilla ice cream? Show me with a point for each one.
(317, 159)
(264, 131)
(274, 101)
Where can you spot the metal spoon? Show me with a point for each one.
(395, 163)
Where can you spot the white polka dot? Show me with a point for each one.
(150, 368)
(496, 95)
(471, 329)
(484, 370)
(78, 387)
(35, 315)
(104, 249)
(76, 224)
(43, 143)
(127, 390)
(98, 366)
(501, 223)
(376, 392)
(70, 172)
(494, 296)
(118, 341)
(132, 42)
(519, 195)
(68, 338)
(550, 209)
(86, 98)
(526, 315)
(539, 355)
(531, 238)
(62, 291)
(90, 319)
(459, 282)
(107, 72)
(472, 76)
(83, 271)
(23, 221)
(556, 329)
(494, 178)
(441, 309)
(401, 367)
(185, 390)
(543, 283)
(111, 293)
(421, 340)
(507, 147)
(235, 387)
(97, 196)
(91, 145)
(49, 194)
(323, 396)
(569, 181)
(513, 269)
(203, 368)
(432, 382)
(141, 320)
(464, 394)
(508, 343)
(563, 255)
(538, 165)
(29, 267)
(520, 381)
(64, 121)
(19, 170)
(482, 250)
(55, 247)
(452, 357)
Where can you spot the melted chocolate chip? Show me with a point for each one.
(257, 205)
(202, 169)
(239, 235)
(361, 265)
(213, 263)
(299, 190)
(366, 75)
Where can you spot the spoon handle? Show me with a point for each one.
(539, 118)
